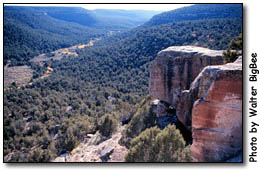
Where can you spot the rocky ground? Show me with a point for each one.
(94, 151)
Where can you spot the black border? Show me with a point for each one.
(136, 163)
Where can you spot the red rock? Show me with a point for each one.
(207, 99)
(184, 108)
(176, 67)
(172, 73)
(217, 113)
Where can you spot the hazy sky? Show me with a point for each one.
(157, 7)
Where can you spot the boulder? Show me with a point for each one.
(159, 108)
(105, 153)
(217, 113)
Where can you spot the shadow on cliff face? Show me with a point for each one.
(187, 135)
(170, 117)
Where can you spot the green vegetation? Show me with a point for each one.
(234, 50)
(198, 12)
(70, 14)
(143, 118)
(153, 145)
(104, 19)
(108, 125)
(122, 62)
(29, 32)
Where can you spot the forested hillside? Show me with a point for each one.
(198, 12)
(28, 32)
(54, 114)
(103, 19)
(71, 14)
(130, 56)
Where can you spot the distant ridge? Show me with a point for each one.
(198, 12)
(100, 18)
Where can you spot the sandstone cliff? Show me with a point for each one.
(217, 113)
(207, 99)
(175, 68)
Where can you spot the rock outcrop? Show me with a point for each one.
(172, 73)
(217, 113)
(105, 153)
(206, 96)
(176, 67)
(188, 97)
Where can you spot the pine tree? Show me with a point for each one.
(234, 50)
(108, 125)
(153, 145)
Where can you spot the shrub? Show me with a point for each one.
(71, 141)
(39, 155)
(234, 50)
(142, 119)
(153, 145)
(107, 125)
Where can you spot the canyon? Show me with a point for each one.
(191, 88)
(76, 86)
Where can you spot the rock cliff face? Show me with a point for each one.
(207, 99)
(173, 71)
(217, 113)
(176, 67)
